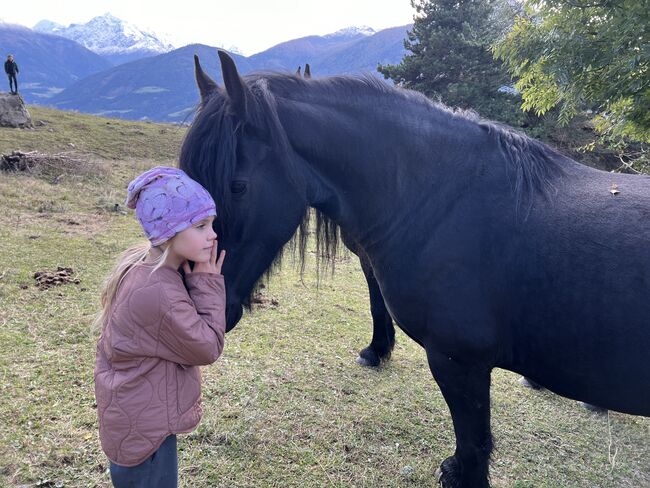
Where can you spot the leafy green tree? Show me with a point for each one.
(450, 57)
(584, 54)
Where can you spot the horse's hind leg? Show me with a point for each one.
(383, 331)
(467, 392)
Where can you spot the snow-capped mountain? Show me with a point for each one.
(48, 27)
(353, 31)
(110, 37)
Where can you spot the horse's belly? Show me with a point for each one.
(603, 360)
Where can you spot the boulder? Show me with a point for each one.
(13, 112)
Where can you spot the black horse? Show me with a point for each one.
(490, 249)
(383, 331)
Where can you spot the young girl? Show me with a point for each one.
(157, 327)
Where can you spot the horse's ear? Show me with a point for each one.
(307, 71)
(298, 71)
(235, 86)
(206, 84)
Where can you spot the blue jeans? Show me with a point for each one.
(160, 470)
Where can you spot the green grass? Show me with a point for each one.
(285, 405)
(98, 136)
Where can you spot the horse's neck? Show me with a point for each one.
(371, 171)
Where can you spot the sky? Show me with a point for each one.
(250, 25)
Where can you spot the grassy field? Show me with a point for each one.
(286, 405)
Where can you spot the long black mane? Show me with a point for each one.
(209, 150)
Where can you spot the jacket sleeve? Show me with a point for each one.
(192, 331)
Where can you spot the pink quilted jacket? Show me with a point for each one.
(147, 380)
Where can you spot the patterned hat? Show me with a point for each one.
(167, 201)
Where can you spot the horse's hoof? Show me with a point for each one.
(364, 362)
(528, 383)
(447, 474)
(368, 358)
(451, 475)
(593, 408)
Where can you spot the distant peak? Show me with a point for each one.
(108, 35)
(108, 18)
(353, 31)
(107, 15)
(47, 26)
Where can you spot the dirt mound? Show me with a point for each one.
(62, 276)
(261, 300)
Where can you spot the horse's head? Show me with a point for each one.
(237, 148)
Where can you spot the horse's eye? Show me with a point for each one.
(238, 187)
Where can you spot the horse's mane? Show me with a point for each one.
(215, 131)
(531, 162)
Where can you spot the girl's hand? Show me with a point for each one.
(211, 266)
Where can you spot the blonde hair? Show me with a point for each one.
(125, 263)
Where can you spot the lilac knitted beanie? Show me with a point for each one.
(167, 201)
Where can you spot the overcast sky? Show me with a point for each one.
(250, 25)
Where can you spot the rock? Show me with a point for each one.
(13, 112)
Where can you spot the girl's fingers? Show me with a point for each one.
(222, 256)
(213, 252)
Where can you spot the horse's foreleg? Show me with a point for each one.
(466, 389)
(383, 331)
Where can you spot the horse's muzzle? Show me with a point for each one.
(233, 315)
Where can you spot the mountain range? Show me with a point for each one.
(47, 63)
(160, 86)
(114, 39)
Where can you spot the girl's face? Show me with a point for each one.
(194, 243)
